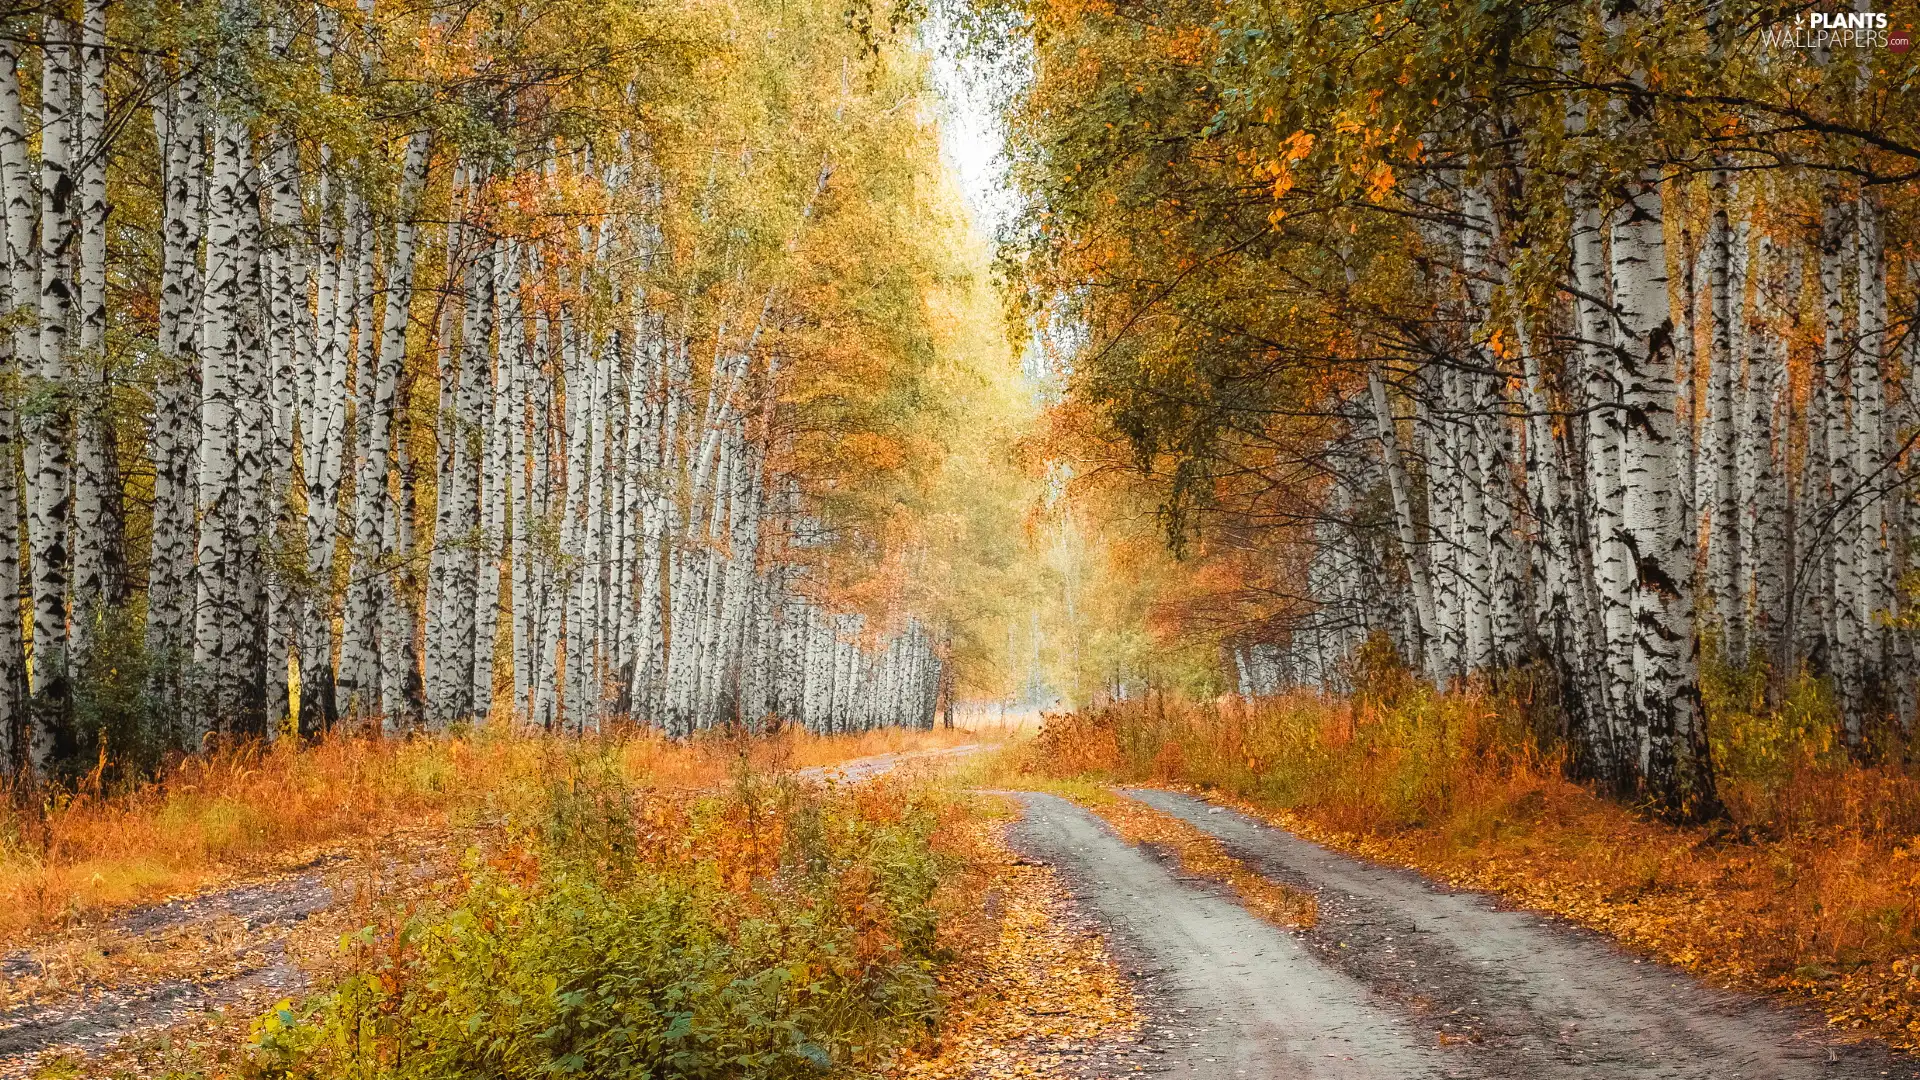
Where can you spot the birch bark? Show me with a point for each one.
(1405, 525)
(1612, 572)
(98, 556)
(324, 435)
(1721, 439)
(171, 587)
(1667, 711)
(374, 541)
(16, 346)
(1873, 571)
(217, 618)
(252, 639)
(49, 428)
(496, 492)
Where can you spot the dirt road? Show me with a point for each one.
(867, 768)
(249, 960)
(1402, 978)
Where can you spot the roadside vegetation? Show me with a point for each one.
(1496, 461)
(767, 930)
(1806, 887)
(1192, 850)
(619, 907)
(215, 818)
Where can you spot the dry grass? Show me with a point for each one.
(218, 942)
(254, 812)
(741, 859)
(1811, 889)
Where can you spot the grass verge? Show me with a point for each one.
(1196, 853)
(77, 856)
(1809, 890)
(764, 929)
(772, 930)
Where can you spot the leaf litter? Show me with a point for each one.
(1700, 927)
(1037, 994)
(1204, 856)
(1040, 996)
(177, 983)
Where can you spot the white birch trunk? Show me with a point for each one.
(290, 395)
(1873, 566)
(1405, 525)
(324, 435)
(1668, 712)
(217, 618)
(96, 526)
(259, 680)
(48, 430)
(1834, 506)
(579, 442)
(521, 367)
(359, 666)
(18, 348)
(1610, 596)
(171, 587)
(1777, 542)
(496, 487)
(373, 565)
(1719, 441)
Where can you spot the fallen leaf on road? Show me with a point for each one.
(1205, 856)
(1038, 995)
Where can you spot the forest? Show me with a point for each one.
(951, 539)
(396, 366)
(1566, 342)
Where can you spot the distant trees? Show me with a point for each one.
(412, 364)
(1525, 335)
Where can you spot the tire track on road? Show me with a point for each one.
(1232, 995)
(1518, 995)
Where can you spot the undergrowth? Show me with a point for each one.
(69, 855)
(769, 930)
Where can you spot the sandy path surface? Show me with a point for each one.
(97, 1016)
(1231, 995)
(87, 990)
(1409, 978)
(867, 768)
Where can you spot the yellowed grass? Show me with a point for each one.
(1809, 889)
(1206, 857)
(240, 813)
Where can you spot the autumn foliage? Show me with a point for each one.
(768, 930)
(249, 811)
(1202, 855)
(1806, 890)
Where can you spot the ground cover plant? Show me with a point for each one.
(619, 907)
(766, 930)
(1038, 989)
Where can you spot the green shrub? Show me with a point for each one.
(760, 934)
